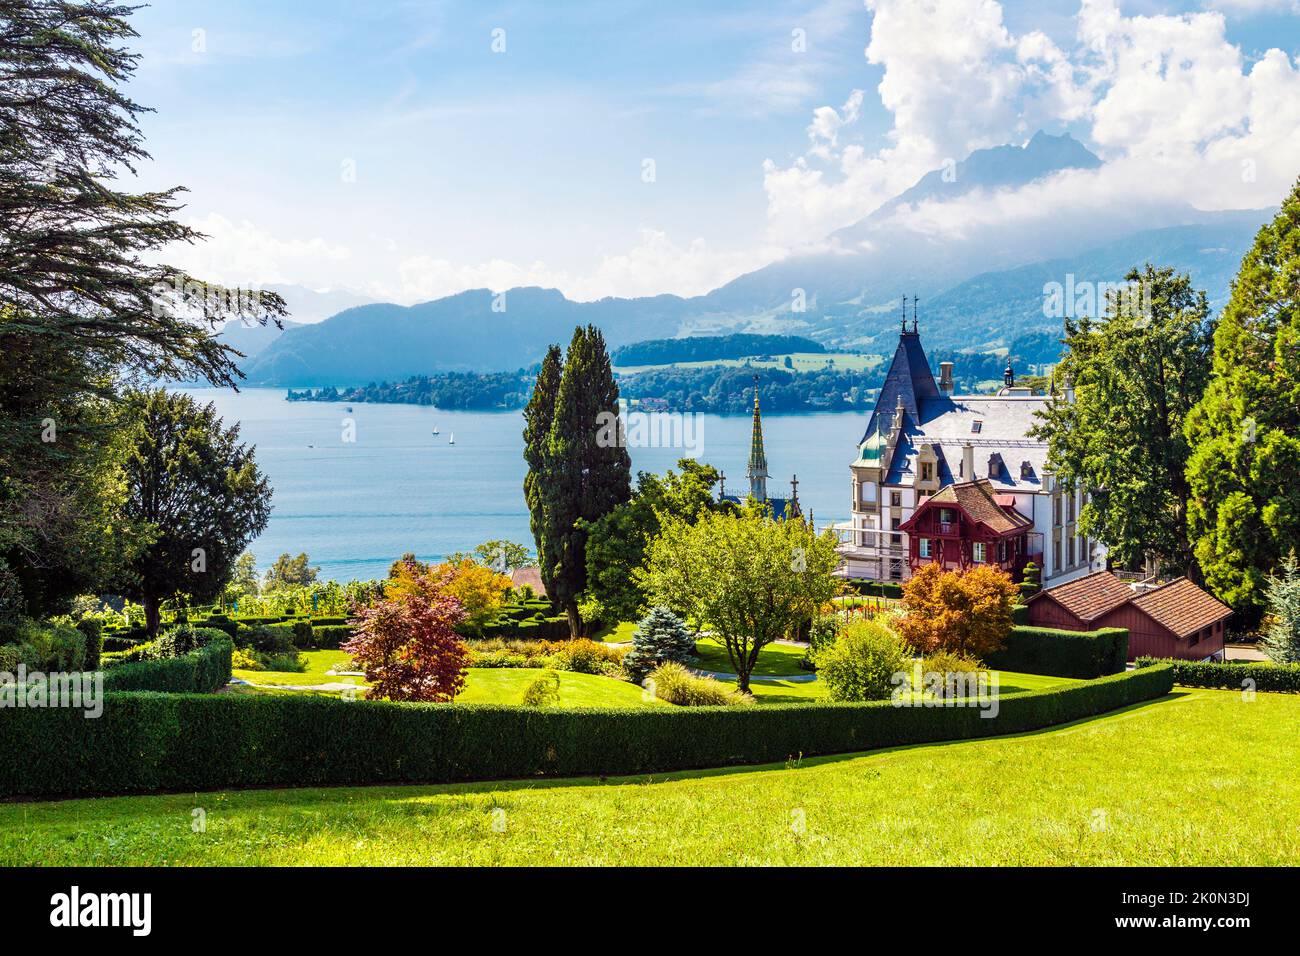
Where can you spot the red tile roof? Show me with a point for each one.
(1181, 606)
(1089, 597)
(976, 498)
(531, 576)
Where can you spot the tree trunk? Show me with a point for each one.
(575, 619)
(152, 614)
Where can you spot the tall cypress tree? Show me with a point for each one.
(588, 470)
(1245, 432)
(538, 416)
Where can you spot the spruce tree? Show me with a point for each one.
(1244, 513)
(661, 636)
(1282, 638)
(587, 469)
(538, 416)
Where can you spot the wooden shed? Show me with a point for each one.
(1177, 619)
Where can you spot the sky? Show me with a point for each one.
(412, 149)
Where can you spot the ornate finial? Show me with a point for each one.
(904, 314)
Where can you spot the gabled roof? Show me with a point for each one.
(910, 378)
(977, 499)
(1181, 606)
(1089, 597)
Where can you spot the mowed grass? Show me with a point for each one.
(483, 685)
(1198, 777)
(774, 660)
(318, 662)
(506, 685)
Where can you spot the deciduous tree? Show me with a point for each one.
(289, 571)
(1136, 374)
(746, 577)
(409, 648)
(616, 542)
(966, 613)
(194, 492)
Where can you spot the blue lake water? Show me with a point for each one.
(355, 506)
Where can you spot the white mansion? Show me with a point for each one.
(958, 479)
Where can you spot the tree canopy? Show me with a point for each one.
(194, 493)
(1136, 374)
(1245, 432)
(748, 578)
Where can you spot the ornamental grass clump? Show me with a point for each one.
(675, 684)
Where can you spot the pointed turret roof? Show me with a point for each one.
(909, 379)
(757, 456)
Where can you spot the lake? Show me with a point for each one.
(355, 506)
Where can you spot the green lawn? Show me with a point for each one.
(1199, 777)
(506, 685)
(483, 685)
(619, 633)
(814, 692)
(318, 662)
(775, 660)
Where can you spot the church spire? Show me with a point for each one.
(757, 470)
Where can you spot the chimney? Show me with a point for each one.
(945, 378)
(968, 462)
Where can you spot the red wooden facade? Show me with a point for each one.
(1153, 625)
(963, 526)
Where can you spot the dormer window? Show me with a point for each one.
(1026, 471)
(976, 427)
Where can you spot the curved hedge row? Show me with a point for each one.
(189, 742)
(198, 672)
(1230, 675)
(1057, 653)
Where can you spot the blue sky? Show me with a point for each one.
(483, 168)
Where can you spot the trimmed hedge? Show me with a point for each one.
(1228, 675)
(329, 637)
(885, 589)
(198, 672)
(145, 742)
(1045, 650)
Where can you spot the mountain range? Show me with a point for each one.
(981, 288)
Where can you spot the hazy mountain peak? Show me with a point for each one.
(997, 167)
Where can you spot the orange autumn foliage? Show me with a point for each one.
(478, 589)
(964, 613)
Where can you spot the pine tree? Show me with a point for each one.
(586, 469)
(661, 636)
(1282, 639)
(538, 415)
(1244, 514)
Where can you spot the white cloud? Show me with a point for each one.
(241, 253)
(248, 255)
(1167, 100)
(654, 265)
